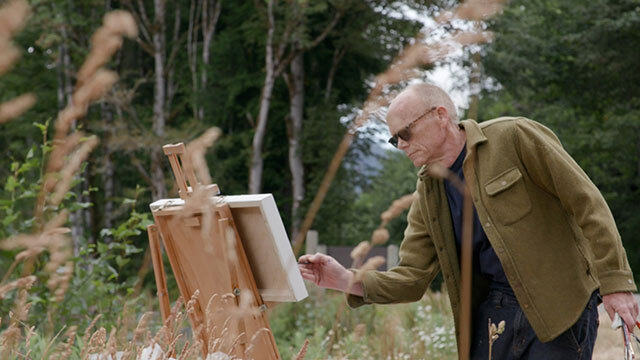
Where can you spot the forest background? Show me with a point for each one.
(283, 85)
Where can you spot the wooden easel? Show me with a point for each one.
(213, 264)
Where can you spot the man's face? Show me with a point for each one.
(426, 134)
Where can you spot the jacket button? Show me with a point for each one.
(526, 306)
(487, 224)
(503, 183)
(499, 249)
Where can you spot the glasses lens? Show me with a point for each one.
(394, 141)
(404, 134)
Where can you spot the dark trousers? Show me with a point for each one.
(518, 341)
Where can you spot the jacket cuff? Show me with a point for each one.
(355, 301)
(616, 281)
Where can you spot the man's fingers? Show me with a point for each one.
(316, 258)
(610, 311)
(627, 319)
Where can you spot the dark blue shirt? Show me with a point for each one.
(485, 259)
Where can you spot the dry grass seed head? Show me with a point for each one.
(10, 55)
(373, 263)
(63, 186)
(97, 340)
(121, 23)
(15, 107)
(195, 154)
(8, 340)
(13, 15)
(360, 251)
(303, 351)
(95, 87)
(141, 328)
(380, 236)
(110, 347)
(26, 281)
(252, 342)
(87, 333)
(65, 349)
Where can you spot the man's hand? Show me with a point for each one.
(326, 272)
(623, 303)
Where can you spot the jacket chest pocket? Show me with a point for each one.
(508, 200)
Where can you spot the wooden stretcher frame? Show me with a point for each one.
(264, 240)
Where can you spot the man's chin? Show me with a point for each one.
(418, 162)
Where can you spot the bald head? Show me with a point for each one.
(421, 97)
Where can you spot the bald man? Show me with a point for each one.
(546, 249)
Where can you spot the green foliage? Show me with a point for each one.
(101, 270)
(397, 178)
(101, 274)
(421, 330)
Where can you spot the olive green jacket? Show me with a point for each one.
(547, 222)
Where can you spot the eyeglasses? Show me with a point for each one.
(405, 133)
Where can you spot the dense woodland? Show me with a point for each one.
(283, 80)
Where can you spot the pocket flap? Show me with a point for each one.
(503, 181)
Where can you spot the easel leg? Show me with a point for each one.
(158, 270)
(242, 275)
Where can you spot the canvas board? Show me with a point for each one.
(264, 239)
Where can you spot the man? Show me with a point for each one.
(545, 244)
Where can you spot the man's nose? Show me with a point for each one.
(402, 144)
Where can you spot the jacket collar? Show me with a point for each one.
(475, 136)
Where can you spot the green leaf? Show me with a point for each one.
(121, 261)
(42, 127)
(11, 184)
(102, 248)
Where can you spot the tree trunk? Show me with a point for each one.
(65, 92)
(210, 15)
(192, 54)
(108, 166)
(158, 188)
(257, 163)
(338, 53)
(296, 110)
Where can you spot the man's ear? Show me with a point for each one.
(443, 116)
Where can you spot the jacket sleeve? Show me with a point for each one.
(417, 267)
(552, 168)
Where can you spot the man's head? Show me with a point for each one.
(423, 120)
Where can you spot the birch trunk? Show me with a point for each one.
(296, 111)
(158, 188)
(210, 15)
(257, 163)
